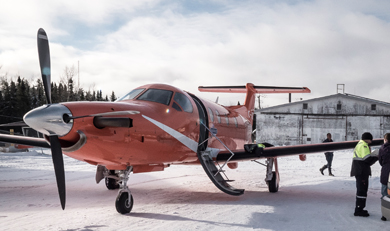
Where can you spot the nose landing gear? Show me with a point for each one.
(124, 200)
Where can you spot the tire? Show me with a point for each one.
(111, 184)
(122, 204)
(273, 185)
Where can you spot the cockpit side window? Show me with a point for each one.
(183, 101)
(132, 94)
(157, 95)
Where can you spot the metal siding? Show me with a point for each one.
(355, 117)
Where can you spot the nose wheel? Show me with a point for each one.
(123, 204)
(124, 201)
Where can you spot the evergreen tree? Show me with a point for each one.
(113, 97)
(80, 95)
(18, 98)
(93, 96)
(71, 94)
(22, 97)
(41, 99)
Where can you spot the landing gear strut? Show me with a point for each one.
(272, 177)
(124, 200)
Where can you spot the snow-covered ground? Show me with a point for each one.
(183, 198)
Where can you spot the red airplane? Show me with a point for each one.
(152, 127)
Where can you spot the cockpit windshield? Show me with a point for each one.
(157, 95)
(132, 94)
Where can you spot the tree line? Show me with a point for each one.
(17, 98)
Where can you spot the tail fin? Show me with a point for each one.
(251, 90)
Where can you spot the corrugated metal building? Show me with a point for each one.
(345, 116)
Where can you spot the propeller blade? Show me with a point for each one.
(58, 163)
(44, 62)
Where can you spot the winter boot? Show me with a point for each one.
(361, 213)
(330, 172)
(323, 168)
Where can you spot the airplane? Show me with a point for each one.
(155, 126)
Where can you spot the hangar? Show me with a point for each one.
(345, 116)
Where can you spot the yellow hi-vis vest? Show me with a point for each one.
(361, 151)
(261, 145)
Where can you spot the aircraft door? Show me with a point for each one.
(203, 118)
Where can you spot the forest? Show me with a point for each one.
(20, 96)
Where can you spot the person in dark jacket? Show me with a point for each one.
(361, 170)
(328, 156)
(384, 161)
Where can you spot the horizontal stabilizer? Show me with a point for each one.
(258, 89)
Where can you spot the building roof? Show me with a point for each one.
(345, 95)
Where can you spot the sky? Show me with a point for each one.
(120, 45)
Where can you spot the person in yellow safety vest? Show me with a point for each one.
(361, 170)
(261, 145)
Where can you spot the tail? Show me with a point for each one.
(251, 91)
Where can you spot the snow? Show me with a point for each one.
(183, 198)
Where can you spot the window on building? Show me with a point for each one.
(338, 106)
(305, 106)
(373, 107)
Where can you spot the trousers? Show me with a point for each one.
(361, 191)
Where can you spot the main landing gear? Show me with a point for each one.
(272, 177)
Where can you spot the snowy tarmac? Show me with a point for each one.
(183, 198)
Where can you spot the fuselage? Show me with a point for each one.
(167, 129)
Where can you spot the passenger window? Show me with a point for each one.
(132, 94)
(227, 120)
(218, 117)
(211, 115)
(235, 121)
(183, 101)
(157, 95)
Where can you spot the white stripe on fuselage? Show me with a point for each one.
(191, 144)
(188, 142)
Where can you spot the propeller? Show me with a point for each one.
(44, 62)
(56, 152)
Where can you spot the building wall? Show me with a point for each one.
(291, 124)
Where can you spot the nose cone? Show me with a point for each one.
(48, 119)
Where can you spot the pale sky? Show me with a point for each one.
(123, 44)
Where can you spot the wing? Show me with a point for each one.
(30, 141)
(250, 153)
